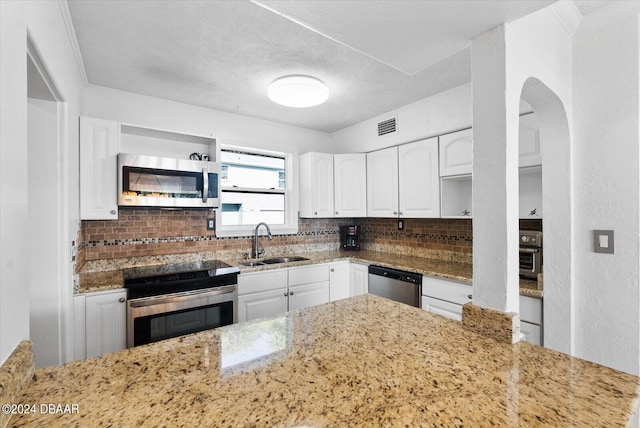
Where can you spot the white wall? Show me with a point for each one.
(44, 23)
(607, 170)
(446, 112)
(14, 297)
(227, 128)
(536, 48)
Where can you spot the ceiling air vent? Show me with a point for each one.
(388, 126)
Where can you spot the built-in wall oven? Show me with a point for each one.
(173, 300)
(530, 253)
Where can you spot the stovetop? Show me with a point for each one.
(176, 272)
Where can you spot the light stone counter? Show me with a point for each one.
(364, 361)
(445, 269)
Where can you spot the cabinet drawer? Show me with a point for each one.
(254, 282)
(531, 310)
(450, 291)
(532, 333)
(441, 307)
(308, 274)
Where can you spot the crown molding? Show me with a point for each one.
(568, 15)
(611, 13)
(73, 40)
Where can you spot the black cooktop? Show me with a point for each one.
(201, 272)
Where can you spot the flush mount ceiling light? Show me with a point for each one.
(298, 91)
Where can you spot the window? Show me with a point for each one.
(254, 188)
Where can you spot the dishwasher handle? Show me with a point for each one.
(396, 274)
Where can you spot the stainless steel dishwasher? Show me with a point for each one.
(394, 284)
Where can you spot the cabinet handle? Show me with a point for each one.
(286, 294)
(336, 212)
(291, 293)
(122, 300)
(315, 213)
(331, 269)
(395, 213)
(400, 213)
(113, 212)
(470, 296)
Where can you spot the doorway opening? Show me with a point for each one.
(49, 291)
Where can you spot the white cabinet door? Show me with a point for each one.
(442, 307)
(98, 169)
(79, 327)
(339, 280)
(529, 141)
(456, 153)
(254, 282)
(350, 185)
(262, 304)
(304, 296)
(532, 333)
(316, 185)
(418, 180)
(450, 291)
(382, 183)
(359, 279)
(106, 316)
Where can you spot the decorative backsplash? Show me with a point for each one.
(142, 232)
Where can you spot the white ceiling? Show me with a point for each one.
(375, 56)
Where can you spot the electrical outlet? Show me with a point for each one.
(400, 224)
(211, 224)
(603, 241)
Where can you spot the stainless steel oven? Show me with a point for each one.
(530, 253)
(172, 300)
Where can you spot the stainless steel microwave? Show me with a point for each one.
(150, 181)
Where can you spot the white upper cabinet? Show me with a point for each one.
(382, 183)
(98, 169)
(316, 185)
(456, 153)
(419, 185)
(350, 185)
(529, 141)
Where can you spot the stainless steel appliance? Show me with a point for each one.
(172, 300)
(530, 253)
(150, 181)
(394, 284)
(350, 237)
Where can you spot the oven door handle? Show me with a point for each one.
(530, 250)
(180, 297)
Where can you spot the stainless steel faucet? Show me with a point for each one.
(257, 252)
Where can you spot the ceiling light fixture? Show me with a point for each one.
(298, 91)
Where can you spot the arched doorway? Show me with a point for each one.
(558, 299)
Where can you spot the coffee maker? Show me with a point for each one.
(350, 238)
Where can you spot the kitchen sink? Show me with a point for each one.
(275, 260)
(253, 263)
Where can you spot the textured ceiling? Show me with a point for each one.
(375, 56)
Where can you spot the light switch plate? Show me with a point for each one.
(211, 224)
(603, 241)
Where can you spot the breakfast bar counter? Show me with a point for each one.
(362, 361)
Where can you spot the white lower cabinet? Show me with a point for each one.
(262, 304)
(105, 322)
(531, 319)
(305, 296)
(263, 294)
(444, 297)
(359, 279)
(532, 333)
(339, 280)
(442, 307)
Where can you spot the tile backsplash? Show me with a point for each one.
(143, 232)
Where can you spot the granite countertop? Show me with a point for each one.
(445, 269)
(363, 361)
